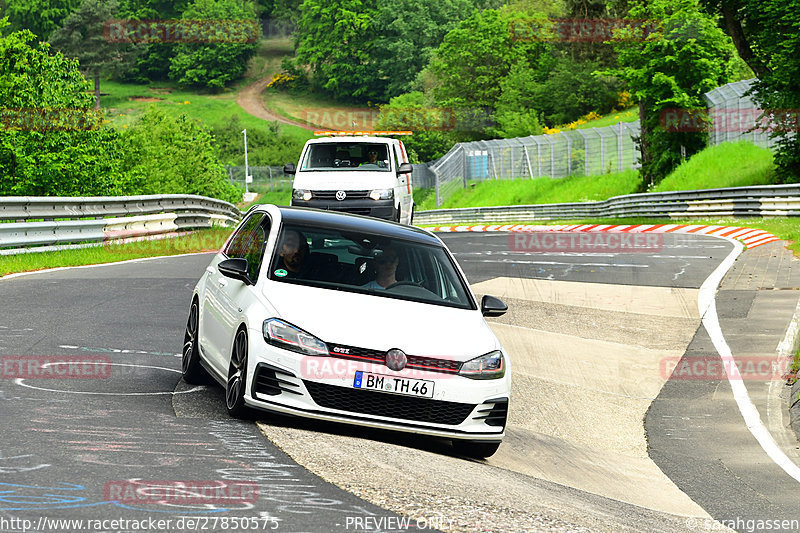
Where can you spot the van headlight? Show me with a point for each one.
(282, 334)
(489, 366)
(301, 194)
(382, 194)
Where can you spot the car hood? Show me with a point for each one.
(380, 323)
(344, 180)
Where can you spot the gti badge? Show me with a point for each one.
(396, 359)
(341, 195)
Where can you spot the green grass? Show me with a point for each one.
(277, 196)
(200, 241)
(724, 165)
(538, 191)
(126, 101)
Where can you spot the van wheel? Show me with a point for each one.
(397, 215)
(411, 216)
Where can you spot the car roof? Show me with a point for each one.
(351, 139)
(341, 221)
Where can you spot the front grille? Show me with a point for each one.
(388, 405)
(496, 415)
(420, 362)
(331, 195)
(270, 381)
(364, 211)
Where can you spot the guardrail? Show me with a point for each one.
(27, 221)
(756, 201)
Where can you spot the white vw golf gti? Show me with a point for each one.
(350, 319)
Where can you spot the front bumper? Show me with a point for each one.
(322, 388)
(368, 207)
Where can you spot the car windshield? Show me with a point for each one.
(355, 156)
(369, 264)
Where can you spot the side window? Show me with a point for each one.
(249, 243)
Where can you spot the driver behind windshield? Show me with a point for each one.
(386, 267)
(372, 158)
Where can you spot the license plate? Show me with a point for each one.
(380, 382)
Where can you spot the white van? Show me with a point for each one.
(355, 172)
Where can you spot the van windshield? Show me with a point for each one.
(355, 156)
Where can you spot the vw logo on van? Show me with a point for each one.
(341, 195)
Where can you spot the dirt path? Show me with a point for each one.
(251, 99)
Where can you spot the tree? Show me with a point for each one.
(408, 33)
(82, 36)
(154, 60)
(42, 17)
(223, 57)
(684, 57)
(766, 34)
(51, 141)
(337, 40)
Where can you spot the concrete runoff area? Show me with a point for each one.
(575, 448)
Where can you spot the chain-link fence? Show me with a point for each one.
(735, 117)
(587, 151)
(264, 178)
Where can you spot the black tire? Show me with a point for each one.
(398, 215)
(237, 377)
(193, 372)
(411, 216)
(475, 450)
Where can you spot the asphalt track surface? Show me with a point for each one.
(65, 443)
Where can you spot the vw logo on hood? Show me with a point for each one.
(396, 359)
(341, 195)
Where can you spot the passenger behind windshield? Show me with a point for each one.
(294, 252)
(386, 267)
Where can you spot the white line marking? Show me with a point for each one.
(21, 382)
(708, 310)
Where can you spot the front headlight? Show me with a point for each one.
(489, 366)
(280, 333)
(382, 194)
(301, 194)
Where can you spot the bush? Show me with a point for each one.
(173, 155)
(265, 145)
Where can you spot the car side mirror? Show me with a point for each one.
(405, 168)
(235, 268)
(491, 306)
(289, 168)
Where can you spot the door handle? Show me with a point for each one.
(222, 282)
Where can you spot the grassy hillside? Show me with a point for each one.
(725, 165)
(126, 101)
